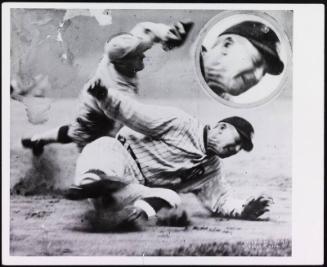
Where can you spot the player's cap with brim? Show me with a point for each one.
(264, 39)
(245, 130)
(123, 45)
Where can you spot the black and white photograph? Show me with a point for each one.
(151, 131)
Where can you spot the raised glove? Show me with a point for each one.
(177, 34)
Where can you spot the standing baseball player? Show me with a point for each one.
(161, 152)
(240, 57)
(123, 58)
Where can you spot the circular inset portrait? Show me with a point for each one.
(243, 58)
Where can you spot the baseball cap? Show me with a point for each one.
(121, 45)
(244, 128)
(264, 39)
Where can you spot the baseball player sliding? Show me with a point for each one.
(161, 152)
(122, 59)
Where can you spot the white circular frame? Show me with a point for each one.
(284, 41)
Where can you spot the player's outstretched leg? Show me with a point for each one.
(118, 203)
(155, 204)
(135, 204)
(91, 187)
(121, 196)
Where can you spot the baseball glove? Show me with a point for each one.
(255, 207)
(179, 32)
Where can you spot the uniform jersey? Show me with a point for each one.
(91, 122)
(169, 147)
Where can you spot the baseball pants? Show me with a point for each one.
(109, 156)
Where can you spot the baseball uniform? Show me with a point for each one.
(161, 147)
(91, 122)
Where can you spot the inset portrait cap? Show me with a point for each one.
(264, 39)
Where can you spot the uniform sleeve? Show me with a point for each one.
(147, 119)
(218, 197)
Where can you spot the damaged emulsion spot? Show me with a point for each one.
(42, 41)
(103, 17)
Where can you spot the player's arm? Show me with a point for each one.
(170, 36)
(144, 118)
(219, 197)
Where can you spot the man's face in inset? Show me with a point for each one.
(232, 65)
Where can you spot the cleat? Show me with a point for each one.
(93, 190)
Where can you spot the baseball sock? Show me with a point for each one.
(50, 136)
(55, 135)
(151, 205)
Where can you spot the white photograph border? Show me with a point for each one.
(308, 140)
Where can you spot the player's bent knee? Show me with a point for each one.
(105, 140)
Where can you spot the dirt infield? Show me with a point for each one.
(51, 226)
(43, 223)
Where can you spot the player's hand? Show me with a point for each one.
(177, 34)
(97, 90)
(255, 207)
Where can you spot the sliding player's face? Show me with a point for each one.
(233, 65)
(224, 139)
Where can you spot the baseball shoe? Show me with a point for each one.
(93, 190)
(37, 146)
